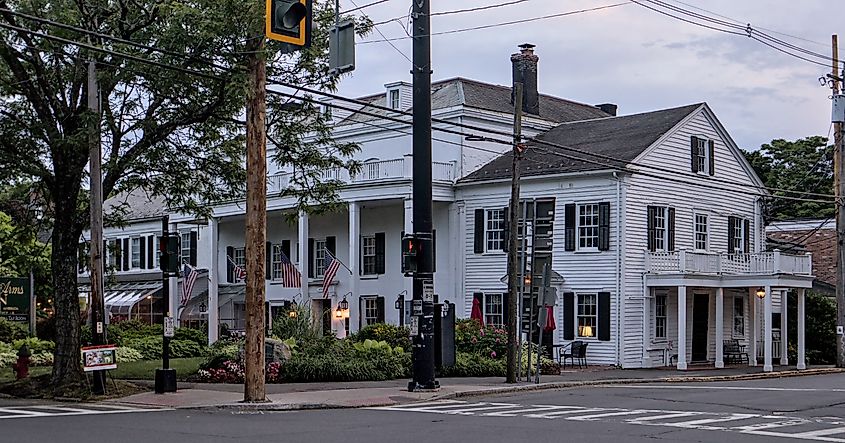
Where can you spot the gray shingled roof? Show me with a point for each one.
(136, 205)
(478, 95)
(622, 138)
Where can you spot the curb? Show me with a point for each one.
(631, 381)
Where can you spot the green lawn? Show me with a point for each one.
(145, 369)
(7, 375)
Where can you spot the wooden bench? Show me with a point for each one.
(734, 352)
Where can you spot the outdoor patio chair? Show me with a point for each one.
(577, 352)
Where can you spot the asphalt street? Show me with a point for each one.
(797, 409)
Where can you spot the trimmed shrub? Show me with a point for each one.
(392, 334)
(150, 348)
(485, 341)
(197, 336)
(126, 354)
(7, 359)
(34, 344)
(475, 365)
(10, 331)
(114, 335)
(42, 358)
(300, 327)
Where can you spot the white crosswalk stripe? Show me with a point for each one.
(827, 429)
(58, 410)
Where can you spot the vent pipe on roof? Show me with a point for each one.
(525, 72)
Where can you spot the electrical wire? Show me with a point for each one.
(624, 168)
(459, 11)
(358, 8)
(375, 26)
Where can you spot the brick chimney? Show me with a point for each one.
(525, 71)
(608, 108)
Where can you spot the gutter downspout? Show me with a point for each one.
(619, 308)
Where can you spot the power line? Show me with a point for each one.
(358, 8)
(375, 26)
(459, 11)
(495, 25)
(624, 168)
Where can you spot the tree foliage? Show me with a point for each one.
(177, 134)
(804, 165)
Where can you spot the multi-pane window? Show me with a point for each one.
(370, 311)
(701, 155)
(587, 315)
(659, 228)
(394, 99)
(276, 262)
(660, 315)
(494, 310)
(239, 257)
(155, 252)
(320, 258)
(738, 237)
(185, 248)
(701, 232)
(739, 317)
(588, 226)
(368, 256)
(136, 252)
(112, 248)
(495, 229)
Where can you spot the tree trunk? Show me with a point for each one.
(67, 369)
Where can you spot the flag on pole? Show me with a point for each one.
(290, 275)
(189, 277)
(238, 271)
(332, 264)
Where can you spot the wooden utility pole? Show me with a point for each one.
(98, 326)
(513, 240)
(256, 218)
(838, 163)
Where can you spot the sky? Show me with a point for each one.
(629, 55)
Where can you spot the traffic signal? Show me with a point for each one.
(289, 21)
(409, 255)
(168, 250)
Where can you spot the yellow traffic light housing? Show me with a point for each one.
(289, 21)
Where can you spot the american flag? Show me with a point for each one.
(332, 264)
(290, 275)
(237, 271)
(190, 275)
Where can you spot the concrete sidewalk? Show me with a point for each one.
(298, 396)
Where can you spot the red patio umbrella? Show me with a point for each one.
(476, 311)
(550, 320)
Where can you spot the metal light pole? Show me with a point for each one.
(423, 352)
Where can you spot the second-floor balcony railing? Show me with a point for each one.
(373, 171)
(689, 262)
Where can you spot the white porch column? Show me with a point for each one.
(173, 284)
(213, 313)
(303, 254)
(720, 328)
(354, 264)
(801, 350)
(767, 330)
(682, 328)
(784, 358)
(408, 283)
(753, 327)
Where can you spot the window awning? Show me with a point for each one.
(124, 294)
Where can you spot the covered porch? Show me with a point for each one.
(719, 308)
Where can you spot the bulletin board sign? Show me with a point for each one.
(14, 299)
(95, 358)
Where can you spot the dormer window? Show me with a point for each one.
(393, 99)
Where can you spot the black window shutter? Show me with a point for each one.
(569, 227)
(105, 253)
(268, 264)
(434, 250)
(331, 244)
(478, 244)
(506, 237)
(151, 248)
(118, 259)
(604, 226)
(652, 240)
(361, 304)
(670, 223)
(193, 257)
(143, 252)
(126, 254)
(286, 249)
(694, 153)
(731, 236)
(747, 229)
(311, 258)
(604, 316)
(230, 268)
(380, 262)
(380, 306)
(712, 164)
(568, 315)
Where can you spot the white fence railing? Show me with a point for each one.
(689, 262)
(372, 171)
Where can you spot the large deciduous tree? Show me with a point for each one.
(177, 134)
(804, 165)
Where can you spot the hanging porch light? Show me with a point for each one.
(761, 293)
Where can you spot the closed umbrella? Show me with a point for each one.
(550, 320)
(476, 311)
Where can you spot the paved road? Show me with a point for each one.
(797, 409)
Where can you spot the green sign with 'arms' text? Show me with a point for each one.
(14, 299)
